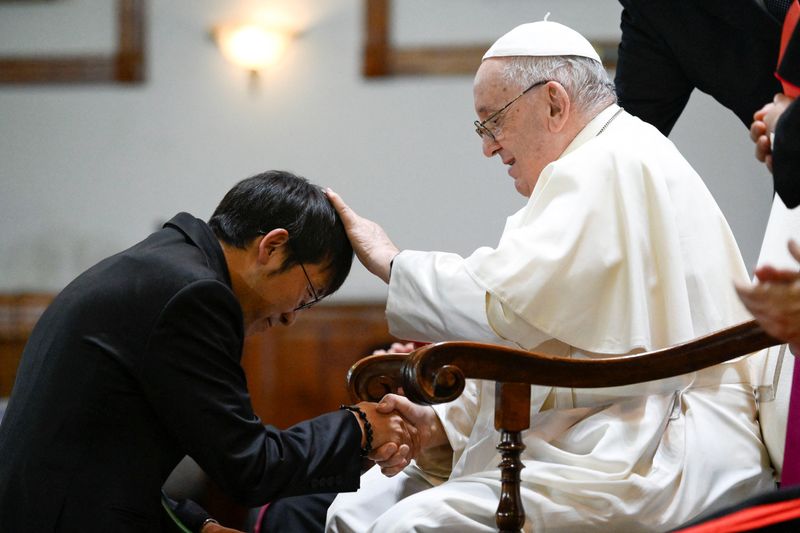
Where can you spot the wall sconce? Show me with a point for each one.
(252, 46)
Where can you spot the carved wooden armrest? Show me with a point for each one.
(374, 376)
(436, 373)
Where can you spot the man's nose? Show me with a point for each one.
(489, 145)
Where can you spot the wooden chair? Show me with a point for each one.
(436, 374)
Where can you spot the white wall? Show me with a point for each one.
(86, 171)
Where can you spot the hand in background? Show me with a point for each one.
(764, 122)
(397, 347)
(772, 112)
(400, 348)
(774, 301)
(370, 243)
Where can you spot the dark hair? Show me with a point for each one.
(279, 199)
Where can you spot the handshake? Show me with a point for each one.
(401, 431)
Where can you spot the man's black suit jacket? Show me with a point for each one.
(786, 144)
(135, 364)
(725, 48)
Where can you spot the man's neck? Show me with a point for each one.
(238, 260)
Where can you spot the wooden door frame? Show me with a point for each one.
(382, 58)
(125, 64)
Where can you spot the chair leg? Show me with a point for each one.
(511, 417)
(510, 516)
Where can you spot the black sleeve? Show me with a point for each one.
(786, 156)
(191, 375)
(190, 514)
(649, 80)
(726, 49)
(789, 69)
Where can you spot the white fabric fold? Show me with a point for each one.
(628, 235)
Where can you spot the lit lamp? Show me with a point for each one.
(251, 46)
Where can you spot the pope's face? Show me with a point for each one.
(520, 135)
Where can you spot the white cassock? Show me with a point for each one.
(620, 249)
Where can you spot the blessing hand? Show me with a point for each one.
(370, 243)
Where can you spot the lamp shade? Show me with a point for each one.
(251, 46)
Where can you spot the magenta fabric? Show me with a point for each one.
(261, 513)
(790, 476)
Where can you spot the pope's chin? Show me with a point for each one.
(523, 184)
(522, 187)
(519, 183)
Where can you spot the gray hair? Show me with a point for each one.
(584, 79)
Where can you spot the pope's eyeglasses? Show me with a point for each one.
(480, 127)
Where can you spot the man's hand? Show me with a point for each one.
(394, 439)
(760, 136)
(774, 110)
(765, 120)
(371, 244)
(428, 429)
(774, 301)
(212, 527)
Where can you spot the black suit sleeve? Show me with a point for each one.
(191, 375)
(724, 48)
(650, 82)
(789, 68)
(786, 156)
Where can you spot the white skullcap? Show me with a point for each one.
(542, 38)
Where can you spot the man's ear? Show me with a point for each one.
(271, 244)
(560, 106)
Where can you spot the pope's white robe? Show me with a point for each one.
(620, 248)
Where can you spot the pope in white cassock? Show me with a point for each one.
(619, 249)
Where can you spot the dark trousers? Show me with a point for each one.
(298, 514)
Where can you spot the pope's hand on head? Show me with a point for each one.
(370, 243)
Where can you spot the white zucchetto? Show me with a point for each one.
(542, 38)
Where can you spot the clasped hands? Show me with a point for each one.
(402, 430)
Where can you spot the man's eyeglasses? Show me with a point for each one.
(315, 297)
(480, 127)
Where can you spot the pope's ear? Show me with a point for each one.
(272, 242)
(559, 105)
